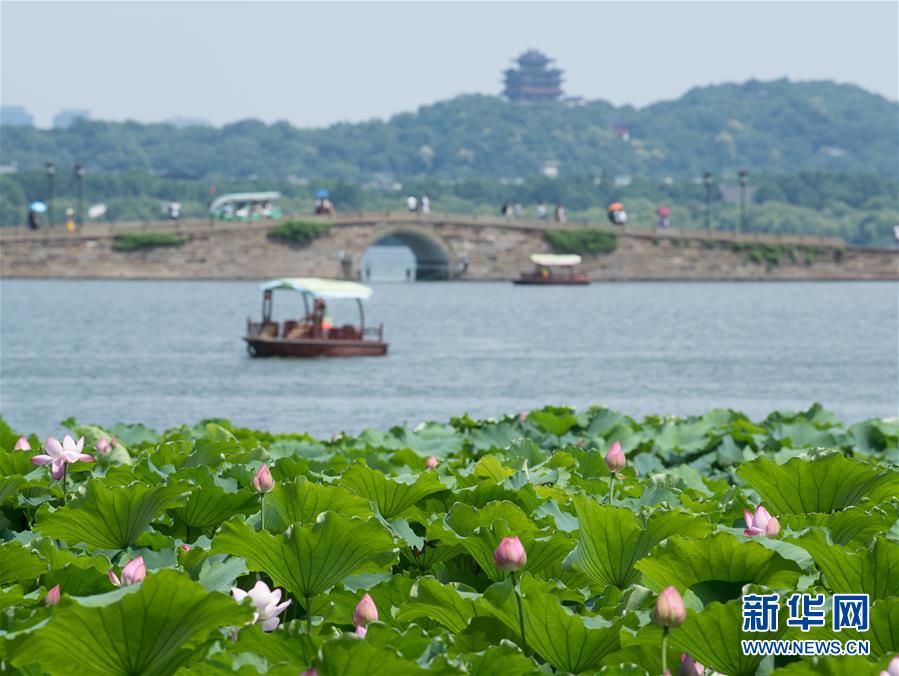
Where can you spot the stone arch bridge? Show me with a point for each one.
(446, 246)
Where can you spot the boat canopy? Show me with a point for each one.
(320, 288)
(555, 259)
(216, 205)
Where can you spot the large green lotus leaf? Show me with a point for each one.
(569, 642)
(153, 629)
(713, 638)
(494, 437)
(392, 496)
(278, 647)
(716, 567)
(504, 659)
(108, 518)
(643, 648)
(19, 563)
(301, 501)
(612, 540)
(15, 462)
(849, 526)
(442, 603)
(309, 560)
(556, 420)
(349, 656)
(680, 437)
(9, 486)
(873, 571)
(208, 505)
(825, 483)
(828, 666)
(875, 436)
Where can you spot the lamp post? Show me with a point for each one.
(79, 174)
(707, 181)
(743, 175)
(51, 172)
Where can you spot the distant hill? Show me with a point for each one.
(765, 127)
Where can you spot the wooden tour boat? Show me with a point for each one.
(554, 269)
(313, 335)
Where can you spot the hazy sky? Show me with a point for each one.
(314, 64)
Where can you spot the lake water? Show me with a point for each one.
(166, 353)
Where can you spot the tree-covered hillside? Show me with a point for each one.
(765, 127)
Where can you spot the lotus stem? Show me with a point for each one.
(263, 511)
(309, 615)
(664, 649)
(524, 643)
(65, 482)
(611, 486)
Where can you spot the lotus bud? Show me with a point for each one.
(892, 669)
(184, 547)
(133, 572)
(263, 481)
(669, 611)
(309, 672)
(615, 459)
(22, 445)
(432, 462)
(103, 446)
(366, 611)
(689, 666)
(52, 597)
(114, 578)
(361, 631)
(760, 523)
(510, 555)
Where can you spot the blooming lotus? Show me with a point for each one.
(615, 459)
(669, 611)
(52, 597)
(61, 454)
(760, 523)
(266, 603)
(689, 666)
(892, 669)
(432, 462)
(510, 555)
(103, 445)
(366, 611)
(133, 572)
(22, 445)
(263, 481)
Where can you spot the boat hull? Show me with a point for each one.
(259, 346)
(578, 280)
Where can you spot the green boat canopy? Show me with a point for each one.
(320, 288)
(555, 259)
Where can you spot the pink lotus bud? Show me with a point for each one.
(133, 572)
(522, 417)
(361, 631)
(263, 482)
(669, 611)
(615, 459)
(309, 672)
(184, 547)
(510, 555)
(103, 446)
(760, 523)
(22, 445)
(892, 669)
(432, 462)
(689, 666)
(366, 611)
(114, 578)
(52, 597)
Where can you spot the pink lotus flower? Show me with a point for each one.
(184, 547)
(103, 445)
(366, 611)
(133, 572)
(266, 602)
(510, 555)
(59, 455)
(689, 666)
(263, 481)
(669, 611)
(615, 459)
(22, 445)
(760, 523)
(52, 597)
(892, 669)
(432, 462)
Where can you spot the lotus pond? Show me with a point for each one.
(490, 547)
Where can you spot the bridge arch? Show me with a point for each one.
(432, 253)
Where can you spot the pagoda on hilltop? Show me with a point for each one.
(533, 80)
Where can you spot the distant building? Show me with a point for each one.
(15, 116)
(182, 122)
(533, 80)
(65, 118)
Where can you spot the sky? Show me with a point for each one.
(314, 64)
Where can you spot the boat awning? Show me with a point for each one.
(220, 201)
(320, 288)
(555, 259)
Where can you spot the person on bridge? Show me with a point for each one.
(70, 219)
(561, 216)
(425, 204)
(412, 203)
(541, 211)
(34, 221)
